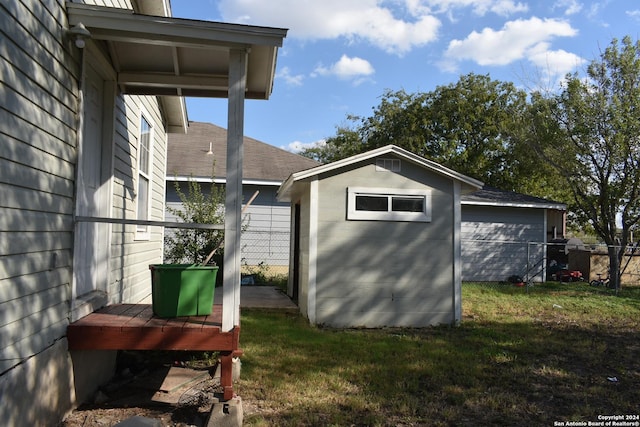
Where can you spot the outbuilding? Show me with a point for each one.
(506, 234)
(376, 240)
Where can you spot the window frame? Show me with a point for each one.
(389, 214)
(143, 231)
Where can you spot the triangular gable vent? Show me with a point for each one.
(387, 165)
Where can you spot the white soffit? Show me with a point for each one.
(164, 56)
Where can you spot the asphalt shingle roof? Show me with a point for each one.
(187, 156)
(490, 195)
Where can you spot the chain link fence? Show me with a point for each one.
(265, 257)
(531, 263)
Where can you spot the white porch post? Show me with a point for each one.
(233, 198)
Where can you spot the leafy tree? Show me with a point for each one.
(475, 126)
(590, 133)
(345, 143)
(193, 246)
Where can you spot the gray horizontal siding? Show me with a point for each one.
(130, 280)
(38, 89)
(365, 310)
(498, 242)
(384, 273)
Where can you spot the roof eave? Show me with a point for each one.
(222, 180)
(555, 206)
(175, 111)
(284, 192)
(122, 29)
(471, 182)
(113, 23)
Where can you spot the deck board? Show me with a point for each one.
(135, 327)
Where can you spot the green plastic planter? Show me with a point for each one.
(182, 289)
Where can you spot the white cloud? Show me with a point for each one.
(362, 20)
(355, 69)
(635, 14)
(297, 146)
(554, 64)
(571, 7)
(290, 79)
(516, 40)
(480, 7)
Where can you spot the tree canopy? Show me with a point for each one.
(590, 133)
(474, 126)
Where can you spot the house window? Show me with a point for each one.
(388, 204)
(144, 177)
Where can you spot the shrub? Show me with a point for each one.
(193, 246)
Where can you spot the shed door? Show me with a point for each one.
(91, 249)
(296, 253)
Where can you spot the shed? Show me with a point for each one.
(377, 240)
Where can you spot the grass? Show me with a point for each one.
(518, 357)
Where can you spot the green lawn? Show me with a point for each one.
(518, 358)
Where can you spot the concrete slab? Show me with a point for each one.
(261, 297)
(178, 377)
(176, 383)
(139, 421)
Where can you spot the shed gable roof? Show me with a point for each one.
(471, 184)
(187, 156)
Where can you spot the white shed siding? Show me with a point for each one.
(303, 198)
(498, 242)
(384, 273)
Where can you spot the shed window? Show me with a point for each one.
(386, 204)
(372, 203)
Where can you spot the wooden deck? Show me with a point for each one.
(135, 327)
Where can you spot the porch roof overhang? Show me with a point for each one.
(166, 56)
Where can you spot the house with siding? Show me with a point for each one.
(377, 240)
(199, 155)
(506, 233)
(90, 92)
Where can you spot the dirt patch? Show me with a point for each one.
(155, 385)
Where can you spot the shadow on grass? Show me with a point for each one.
(480, 373)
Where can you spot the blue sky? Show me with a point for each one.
(340, 56)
